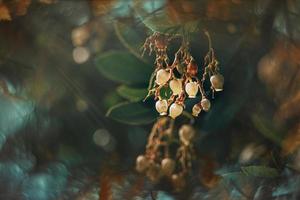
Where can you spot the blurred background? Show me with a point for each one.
(72, 80)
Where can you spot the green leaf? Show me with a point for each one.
(266, 128)
(131, 36)
(123, 67)
(260, 171)
(132, 94)
(132, 113)
(111, 99)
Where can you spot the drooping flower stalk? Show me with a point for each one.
(181, 76)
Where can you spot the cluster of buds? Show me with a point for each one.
(159, 161)
(180, 77)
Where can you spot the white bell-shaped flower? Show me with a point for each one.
(196, 110)
(175, 110)
(162, 106)
(205, 103)
(217, 82)
(191, 89)
(176, 86)
(162, 76)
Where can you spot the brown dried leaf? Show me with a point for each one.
(4, 13)
(101, 7)
(21, 7)
(208, 177)
(223, 9)
(105, 188)
(289, 109)
(292, 141)
(108, 177)
(181, 11)
(280, 72)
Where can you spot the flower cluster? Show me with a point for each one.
(160, 160)
(181, 76)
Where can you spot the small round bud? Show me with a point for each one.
(196, 110)
(205, 103)
(192, 68)
(217, 82)
(162, 76)
(191, 89)
(154, 172)
(142, 163)
(178, 181)
(176, 86)
(175, 110)
(186, 134)
(167, 166)
(162, 107)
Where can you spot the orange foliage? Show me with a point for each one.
(289, 109)
(21, 7)
(222, 9)
(292, 142)
(181, 11)
(4, 13)
(101, 7)
(108, 177)
(280, 72)
(17, 8)
(105, 188)
(208, 177)
(218, 9)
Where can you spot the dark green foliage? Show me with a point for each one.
(260, 171)
(131, 93)
(123, 67)
(132, 113)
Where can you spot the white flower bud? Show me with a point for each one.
(175, 110)
(205, 103)
(186, 134)
(162, 76)
(176, 86)
(191, 89)
(196, 110)
(167, 166)
(142, 163)
(162, 106)
(217, 82)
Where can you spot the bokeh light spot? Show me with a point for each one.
(81, 54)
